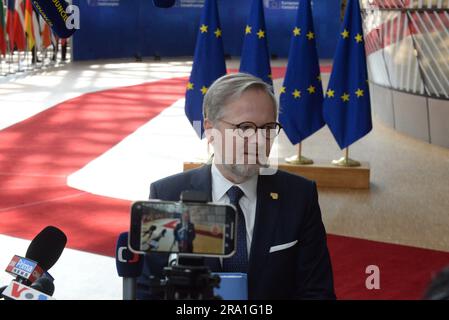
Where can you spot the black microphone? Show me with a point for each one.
(43, 252)
(47, 247)
(164, 3)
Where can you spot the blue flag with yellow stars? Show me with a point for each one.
(301, 96)
(255, 57)
(208, 64)
(346, 108)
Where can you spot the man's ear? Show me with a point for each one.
(207, 127)
(207, 124)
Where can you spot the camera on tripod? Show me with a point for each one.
(190, 230)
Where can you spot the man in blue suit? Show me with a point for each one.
(281, 239)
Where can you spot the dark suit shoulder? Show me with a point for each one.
(170, 188)
(178, 177)
(289, 180)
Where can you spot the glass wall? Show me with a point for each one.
(407, 44)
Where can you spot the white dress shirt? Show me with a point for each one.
(221, 185)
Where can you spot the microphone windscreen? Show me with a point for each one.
(129, 264)
(44, 285)
(164, 3)
(54, 13)
(47, 247)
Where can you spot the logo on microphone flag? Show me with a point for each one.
(208, 64)
(346, 107)
(255, 58)
(301, 96)
(25, 268)
(18, 291)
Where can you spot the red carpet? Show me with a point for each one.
(38, 154)
(404, 271)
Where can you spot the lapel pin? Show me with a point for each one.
(274, 195)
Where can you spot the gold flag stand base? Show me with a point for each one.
(299, 159)
(346, 161)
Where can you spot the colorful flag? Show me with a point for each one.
(46, 33)
(36, 28)
(10, 24)
(208, 64)
(2, 30)
(255, 57)
(301, 96)
(19, 25)
(29, 26)
(346, 108)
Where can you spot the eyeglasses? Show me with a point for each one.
(248, 129)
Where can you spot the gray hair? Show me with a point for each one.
(230, 87)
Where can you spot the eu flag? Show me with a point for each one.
(347, 109)
(301, 97)
(208, 64)
(255, 57)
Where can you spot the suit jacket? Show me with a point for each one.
(289, 258)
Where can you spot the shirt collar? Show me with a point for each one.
(221, 185)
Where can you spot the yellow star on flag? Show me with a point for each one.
(296, 94)
(358, 38)
(359, 93)
(261, 34)
(345, 97)
(218, 33)
(311, 89)
(282, 90)
(319, 77)
(310, 35)
(247, 29)
(203, 90)
(345, 34)
(190, 86)
(296, 31)
(203, 28)
(330, 93)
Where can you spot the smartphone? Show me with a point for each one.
(190, 228)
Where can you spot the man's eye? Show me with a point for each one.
(246, 127)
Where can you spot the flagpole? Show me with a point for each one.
(299, 158)
(18, 61)
(346, 161)
(10, 57)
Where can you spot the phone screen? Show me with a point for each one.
(181, 227)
